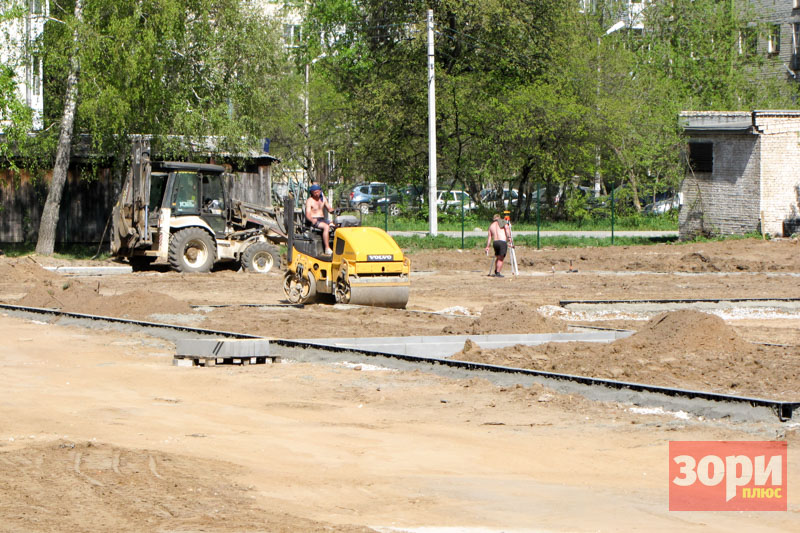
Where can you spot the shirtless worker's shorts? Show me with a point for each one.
(500, 248)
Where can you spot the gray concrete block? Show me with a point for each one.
(222, 348)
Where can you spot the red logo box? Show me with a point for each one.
(727, 476)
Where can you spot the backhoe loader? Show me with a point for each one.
(182, 213)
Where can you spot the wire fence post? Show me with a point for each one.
(462, 216)
(538, 219)
(612, 214)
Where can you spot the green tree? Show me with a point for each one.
(635, 116)
(534, 93)
(178, 71)
(494, 60)
(690, 54)
(49, 219)
(708, 49)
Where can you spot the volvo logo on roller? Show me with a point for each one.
(384, 257)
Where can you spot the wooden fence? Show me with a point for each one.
(87, 202)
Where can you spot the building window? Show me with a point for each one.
(796, 46)
(774, 40)
(701, 156)
(35, 7)
(748, 41)
(795, 4)
(37, 80)
(291, 35)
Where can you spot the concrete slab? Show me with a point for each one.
(443, 346)
(91, 270)
(658, 306)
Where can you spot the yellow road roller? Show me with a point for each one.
(366, 266)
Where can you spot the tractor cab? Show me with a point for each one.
(189, 189)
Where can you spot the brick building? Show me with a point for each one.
(742, 175)
(779, 38)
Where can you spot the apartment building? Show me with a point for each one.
(291, 18)
(780, 39)
(15, 37)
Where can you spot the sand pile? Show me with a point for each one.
(685, 331)
(24, 270)
(518, 356)
(698, 262)
(507, 317)
(60, 293)
(43, 288)
(683, 349)
(76, 297)
(140, 303)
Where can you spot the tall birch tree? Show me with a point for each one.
(50, 212)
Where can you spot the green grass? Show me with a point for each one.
(752, 235)
(417, 243)
(450, 222)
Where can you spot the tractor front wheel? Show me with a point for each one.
(260, 257)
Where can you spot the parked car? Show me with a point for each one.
(365, 196)
(408, 197)
(492, 197)
(622, 196)
(662, 206)
(453, 200)
(414, 195)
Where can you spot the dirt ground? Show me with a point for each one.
(100, 431)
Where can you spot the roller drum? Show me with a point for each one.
(383, 291)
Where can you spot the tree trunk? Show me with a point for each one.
(635, 190)
(49, 220)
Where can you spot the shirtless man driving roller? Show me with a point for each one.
(315, 214)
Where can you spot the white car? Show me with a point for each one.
(662, 206)
(452, 200)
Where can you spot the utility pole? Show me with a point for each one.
(598, 180)
(307, 147)
(432, 214)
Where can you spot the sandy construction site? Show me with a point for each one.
(101, 432)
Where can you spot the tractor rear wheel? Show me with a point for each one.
(192, 250)
(260, 257)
